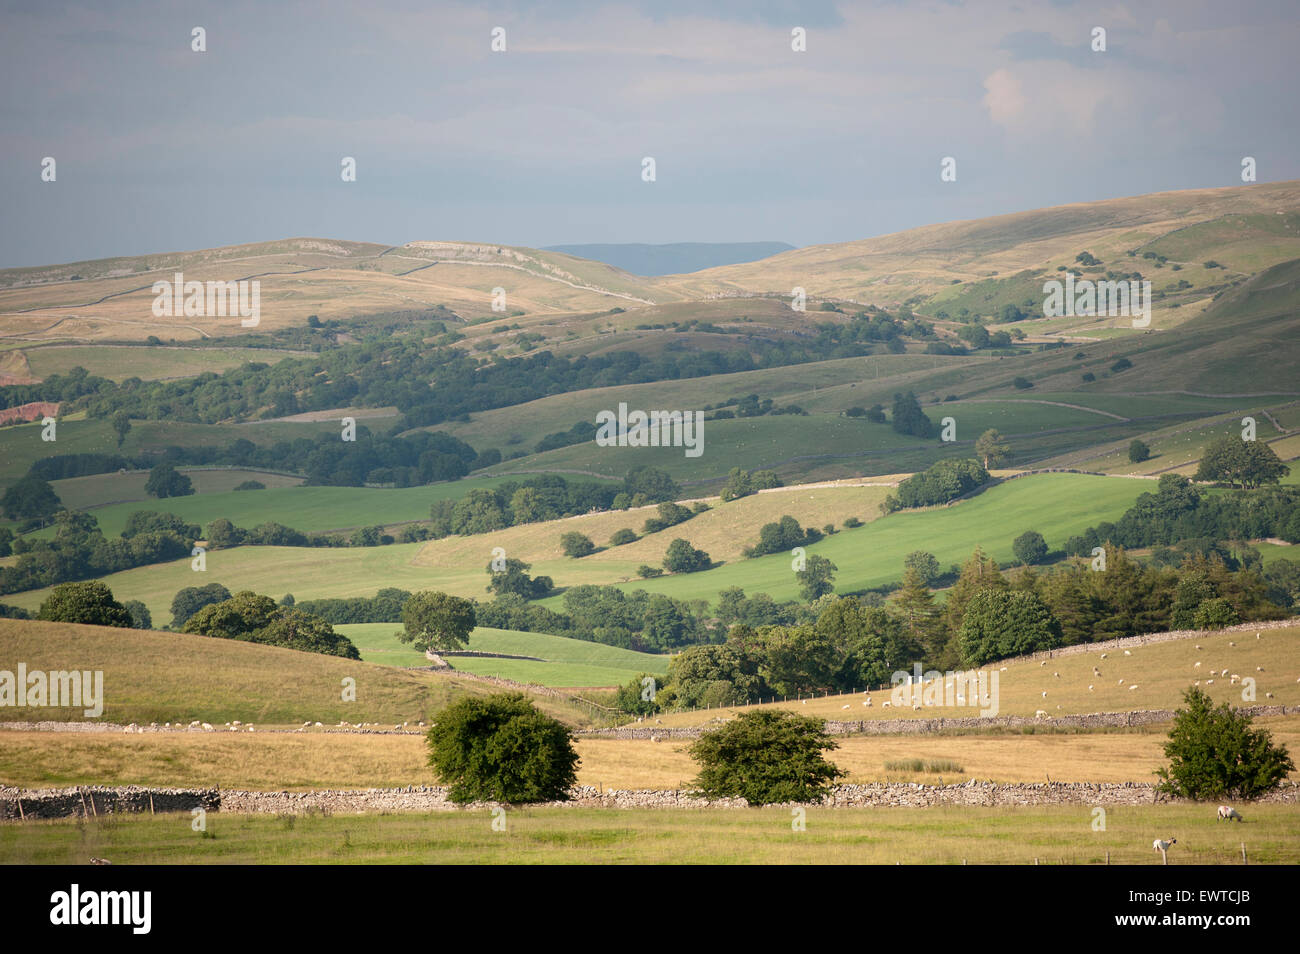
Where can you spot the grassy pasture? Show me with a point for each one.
(119, 362)
(317, 759)
(83, 493)
(942, 835)
(1161, 671)
(1056, 505)
(302, 508)
(560, 661)
(175, 677)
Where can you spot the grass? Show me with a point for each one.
(1056, 505)
(943, 835)
(83, 493)
(1161, 671)
(119, 362)
(176, 677)
(302, 508)
(563, 662)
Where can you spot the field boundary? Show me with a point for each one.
(90, 801)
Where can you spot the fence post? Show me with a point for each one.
(1244, 861)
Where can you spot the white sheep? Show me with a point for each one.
(1090, 688)
(843, 707)
(886, 704)
(1103, 655)
(1057, 675)
(1132, 688)
(1209, 682)
(1041, 714)
(1228, 813)
(1197, 665)
(1127, 653)
(1163, 846)
(1044, 693)
(1232, 644)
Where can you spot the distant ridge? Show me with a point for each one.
(673, 259)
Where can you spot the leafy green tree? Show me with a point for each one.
(1234, 461)
(1214, 753)
(577, 544)
(191, 599)
(916, 608)
(501, 749)
(479, 511)
(1002, 623)
(1215, 613)
(925, 564)
(622, 537)
(121, 422)
(766, 757)
(991, 448)
(739, 484)
(305, 632)
(235, 618)
(817, 578)
(1030, 548)
(1138, 451)
(681, 557)
(909, 418)
(30, 497)
(651, 484)
(437, 621)
(515, 579)
(166, 481)
(140, 616)
(91, 603)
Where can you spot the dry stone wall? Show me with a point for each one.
(64, 803)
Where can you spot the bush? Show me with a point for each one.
(1215, 754)
(766, 757)
(1030, 548)
(166, 481)
(140, 616)
(647, 572)
(1022, 384)
(577, 544)
(622, 537)
(1123, 364)
(1138, 452)
(251, 485)
(91, 603)
(684, 558)
(191, 599)
(501, 749)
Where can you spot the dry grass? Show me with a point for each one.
(1161, 671)
(283, 761)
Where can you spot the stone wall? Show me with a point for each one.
(69, 802)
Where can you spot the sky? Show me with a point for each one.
(158, 147)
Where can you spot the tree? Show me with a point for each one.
(817, 578)
(1214, 753)
(514, 578)
(925, 564)
(305, 632)
(1002, 623)
(140, 617)
(436, 621)
(915, 604)
(681, 557)
(1234, 461)
(909, 418)
(236, 618)
(501, 749)
(623, 536)
(766, 757)
(1030, 548)
(191, 599)
(991, 448)
(577, 544)
(1138, 452)
(30, 497)
(91, 603)
(651, 484)
(739, 484)
(166, 481)
(121, 422)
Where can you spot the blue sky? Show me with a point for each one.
(160, 148)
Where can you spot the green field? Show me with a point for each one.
(1056, 505)
(83, 493)
(554, 835)
(561, 662)
(303, 508)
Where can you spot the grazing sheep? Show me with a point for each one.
(1209, 682)
(1259, 669)
(1040, 714)
(1121, 682)
(207, 727)
(1057, 675)
(1132, 688)
(866, 702)
(1043, 663)
(916, 708)
(843, 707)
(1228, 813)
(1198, 682)
(1090, 688)
(1003, 669)
(1127, 653)
(1232, 644)
(1268, 695)
(1044, 693)
(1103, 655)
(886, 704)
(1197, 665)
(654, 738)
(1198, 645)
(1163, 846)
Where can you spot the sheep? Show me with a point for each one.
(843, 707)
(1057, 675)
(1259, 669)
(1209, 682)
(1103, 655)
(1228, 813)
(1197, 665)
(1041, 714)
(1232, 644)
(654, 738)
(1198, 645)
(1131, 688)
(916, 708)
(1163, 846)
(1121, 682)
(1044, 693)
(1268, 695)
(1127, 653)
(866, 702)
(886, 704)
(207, 727)
(1043, 663)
